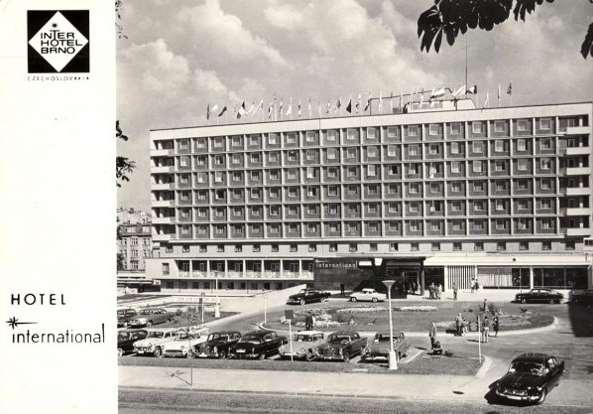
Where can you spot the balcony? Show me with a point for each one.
(576, 191)
(199, 275)
(576, 211)
(163, 203)
(578, 231)
(162, 169)
(578, 171)
(577, 151)
(163, 220)
(161, 237)
(167, 186)
(578, 130)
(161, 152)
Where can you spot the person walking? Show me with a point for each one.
(309, 322)
(472, 284)
(485, 328)
(454, 291)
(485, 305)
(438, 290)
(458, 325)
(495, 325)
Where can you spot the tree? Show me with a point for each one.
(450, 17)
(123, 165)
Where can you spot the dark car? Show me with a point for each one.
(126, 339)
(379, 349)
(539, 295)
(257, 345)
(124, 316)
(307, 296)
(150, 316)
(341, 346)
(582, 296)
(217, 345)
(530, 378)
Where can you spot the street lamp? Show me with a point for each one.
(392, 356)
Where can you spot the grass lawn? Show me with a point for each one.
(184, 319)
(331, 316)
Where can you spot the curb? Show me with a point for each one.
(484, 368)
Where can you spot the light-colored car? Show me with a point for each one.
(183, 344)
(368, 295)
(155, 340)
(304, 345)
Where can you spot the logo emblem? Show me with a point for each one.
(58, 41)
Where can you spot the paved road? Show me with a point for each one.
(140, 401)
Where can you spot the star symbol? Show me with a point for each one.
(14, 322)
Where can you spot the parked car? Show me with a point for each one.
(183, 344)
(257, 344)
(155, 341)
(124, 316)
(342, 346)
(307, 296)
(530, 378)
(126, 339)
(369, 295)
(149, 317)
(217, 344)
(583, 296)
(378, 350)
(539, 295)
(304, 345)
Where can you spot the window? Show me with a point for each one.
(237, 176)
(522, 125)
(546, 184)
(165, 268)
(333, 247)
(477, 166)
(332, 136)
(523, 245)
(203, 248)
(477, 146)
(351, 153)
(293, 247)
(253, 139)
(435, 188)
(433, 149)
(435, 246)
(219, 160)
(521, 145)
(310, 137)
(220, 248)
(501, 246)
(414, 207)
(255, 158)
(312, 248)
(393, 170)
(185, 248)
(273, 157)
(499, 165)
(546, 164)
(569, 245)
(238, 248)
(546, 144)
(292, 156)
(273, 139)
(522, 185)
(413, 130)
(433, 129)
(455, 148)
(414, 227)
(479, 246)
(372, 152)
(545, 123)
(523, 165)
(414, 188)
(352, 172)
(392, 132)
(456, 246)
(373, 247)
(391, 151)
(218, 177)
(476, 127)
(275, 248)
(455, 187)
(500, 205)
(412, 169)
(331, 154)
(546, 204)
(547, 245)
(255, 193)
(456, 128)
(310, 155)
(413, 150)
(501, 187)
(219, 194)
(332, 191)
(499, 126)
(455, 167)
(499, 145)
(414, 247)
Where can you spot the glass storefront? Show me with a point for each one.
(560, 278)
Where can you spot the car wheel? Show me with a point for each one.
(190, 354)
(302, 302)
(543, 396)
(120, 352)
(374, 300)
(346, 356)
(552, 301)
(557, 301)
(222, 355)
(523, 300)
(352, 299)
(158, 352)
(262, 356)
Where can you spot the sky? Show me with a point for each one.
(181, 55)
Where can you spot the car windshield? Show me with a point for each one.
(526, 367)
(213, 336)
(306, 338)
(252, 339)
(156, 334)
(338, 338)
(122, 336)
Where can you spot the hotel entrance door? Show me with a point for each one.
(412, 281)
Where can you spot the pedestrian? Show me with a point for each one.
(342, 289)
(485, 329)
(495, 325)
(472, 285)
(431, 291)
(439, 291)
(454, 291)
(485, 305)
(309, 322)
(458, 325)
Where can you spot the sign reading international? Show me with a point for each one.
(58, 41)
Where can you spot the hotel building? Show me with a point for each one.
(441, 192)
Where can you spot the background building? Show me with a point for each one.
(428, 195)
(134, 239)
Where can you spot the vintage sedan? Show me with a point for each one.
(303, 346)
(341, 346)
(155, 341)
(378, 350)
(257, 345)
(217, 345)
(126, 339)
(530, 378)
(539, 295)
(307, 296)
(368, 295)
(184, 344)
(124, 316)
(150, 316)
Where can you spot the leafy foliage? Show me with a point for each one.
(448, 18)
(118, 26)
(123, 165)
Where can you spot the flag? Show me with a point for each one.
(299, 109)
(368, 103)
(310, 107)
(459, 91)
(241, 112)
(473, 90)
(260, 107)
(270, 111)
(349, 106)
(438, 93)
(498, 95)
(486, 100)
(289, 110)
(329, 106)
(208, 111)
(214, 109)
(319, 110)
(380, 101)
(357, 106)
(222, 111)
(510, 89)
(252, 109)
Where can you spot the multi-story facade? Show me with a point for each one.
(501, 194)
(134, 240)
